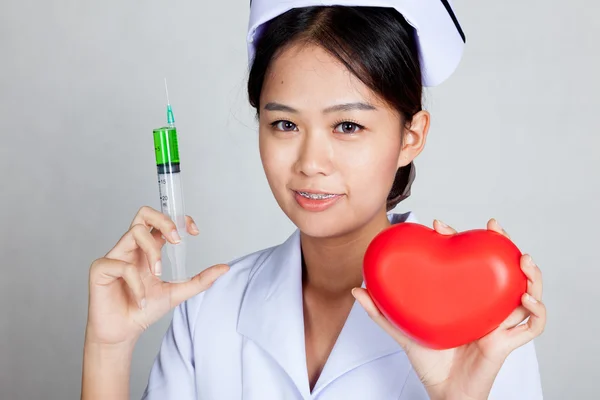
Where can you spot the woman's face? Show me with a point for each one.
(330, 147)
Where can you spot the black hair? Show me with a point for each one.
(376, 44)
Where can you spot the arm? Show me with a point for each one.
(106, 372)
(173, 374)
(126, 296)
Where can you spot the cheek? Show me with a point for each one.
(274, 158)
(370, 171)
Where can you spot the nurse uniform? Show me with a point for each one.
(244, 339)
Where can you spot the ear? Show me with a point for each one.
(415, 136)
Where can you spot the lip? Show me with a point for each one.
(316, 205)
(315, 191)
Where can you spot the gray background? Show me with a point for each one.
(514, 136)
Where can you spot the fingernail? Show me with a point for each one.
(143, 303)
(531, 299)
(443, 224)
(498, 223)
(175, 236)
(194, 227)
(529, 261)
(158, 268)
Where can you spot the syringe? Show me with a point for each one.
(170, 188)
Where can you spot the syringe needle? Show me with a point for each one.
(167, 90)
(170, 117)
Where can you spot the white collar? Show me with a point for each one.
(271, 315)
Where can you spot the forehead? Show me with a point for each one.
(308, 75)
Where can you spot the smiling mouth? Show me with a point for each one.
(317, 196)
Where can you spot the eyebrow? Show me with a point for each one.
(339, 107)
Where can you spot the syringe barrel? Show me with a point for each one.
(171, 196)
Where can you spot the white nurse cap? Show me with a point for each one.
(440, 38)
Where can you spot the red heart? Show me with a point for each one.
(443, 291)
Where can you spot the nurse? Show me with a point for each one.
(337, 91)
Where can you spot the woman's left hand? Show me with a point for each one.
(469, 371)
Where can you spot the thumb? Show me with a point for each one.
(365, 300)
(444, 229)
(180, 292)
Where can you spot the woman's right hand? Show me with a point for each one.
(125, 293)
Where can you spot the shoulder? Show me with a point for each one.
(242, 269)
(228, 290)
(217, 310)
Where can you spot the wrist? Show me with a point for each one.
(94, 343)
(108, 352)
(106, 370)
(104, 349)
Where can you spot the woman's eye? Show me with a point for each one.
(348, 127)
(285, 126)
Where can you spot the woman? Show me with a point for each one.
(338, 97)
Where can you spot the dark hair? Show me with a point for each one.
(376, 44)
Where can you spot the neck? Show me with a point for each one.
(332, 267)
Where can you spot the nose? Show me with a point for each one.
(315, 155)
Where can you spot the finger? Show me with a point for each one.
(151, 247)
(192, 228)
(139, 237)
(152, 218)
(515, 318)
(493, 225)
(158, 237)
(534, 277)
(148, 217)
(105, 271)
(534, 288)
(524, 333)
(444, 229)
(363, 297)
(180, 292)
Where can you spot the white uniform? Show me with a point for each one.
(244, 339)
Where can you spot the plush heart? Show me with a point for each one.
(443, 291)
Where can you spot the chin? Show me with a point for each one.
(336, 221)
(318, 227)
(321, 224)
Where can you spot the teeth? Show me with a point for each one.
(314, 196)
